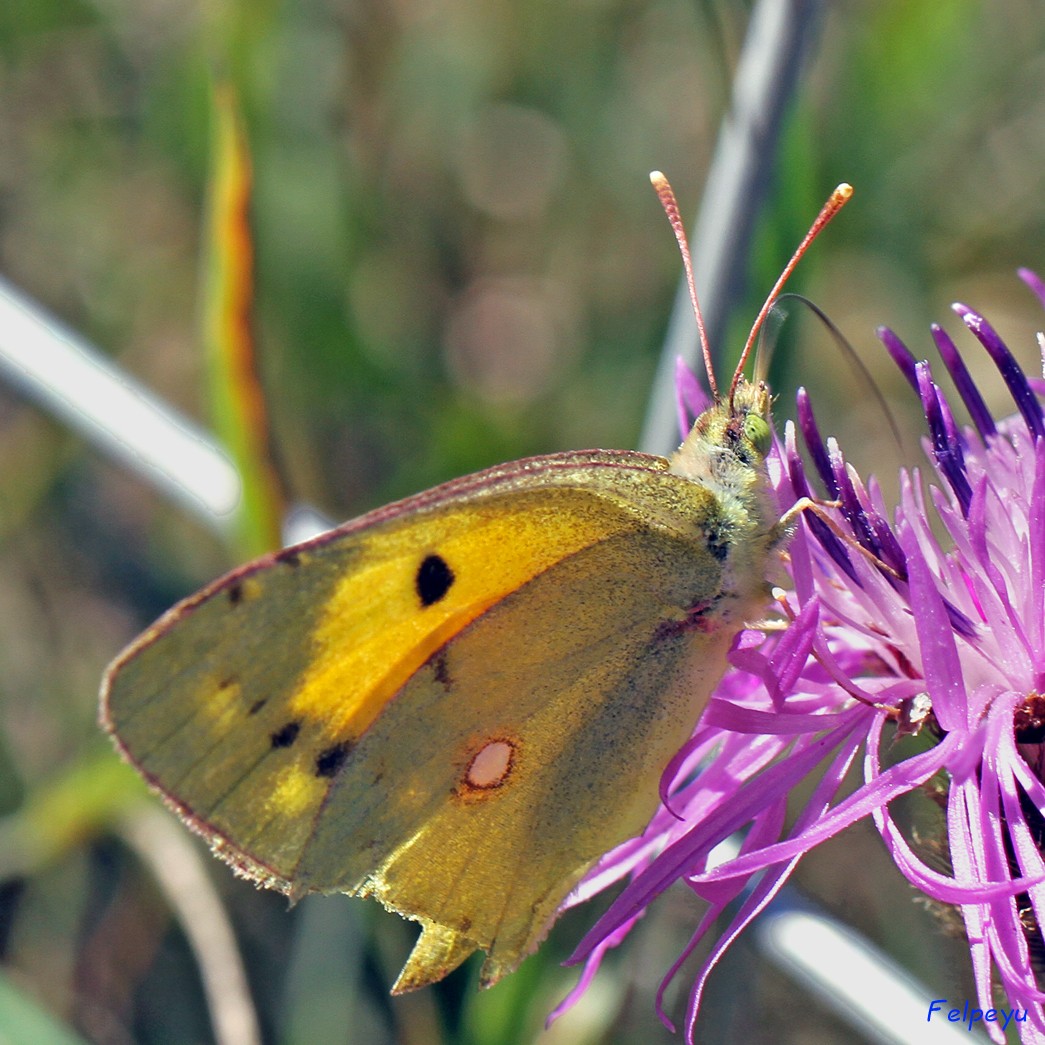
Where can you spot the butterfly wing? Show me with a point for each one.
(454, 704)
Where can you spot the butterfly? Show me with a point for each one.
(457, 703)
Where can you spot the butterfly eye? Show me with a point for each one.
(757, 432)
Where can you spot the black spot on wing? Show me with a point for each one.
(235, 593)
(434, 579)
(286, 734)
(331, 759)
(289, 557)
(257, 706)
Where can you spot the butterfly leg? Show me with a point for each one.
(785, 525)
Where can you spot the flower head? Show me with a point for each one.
(934, 620)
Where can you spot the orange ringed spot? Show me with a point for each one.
(490, 765)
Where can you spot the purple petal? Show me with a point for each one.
(981, 416)
(1010, 370)
(591, 967)
(995, 596)
(887, 547)
(869, 528)
(852, 509)
(792, 652)
(1035, 617)
(814, 443)
(940, 664)
(900, 353)
(707, 922)
(827, 540)
(766, 889)
(1033, 280)
(724, 715)
(685, 855)
(946, 450)
(936, 885)
(895, 781)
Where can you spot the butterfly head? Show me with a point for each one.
(729, 441)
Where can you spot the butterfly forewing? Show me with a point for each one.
(241, 701)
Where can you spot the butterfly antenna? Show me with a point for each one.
(835, 202)
(666, 195)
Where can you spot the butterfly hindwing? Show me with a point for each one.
(584, 717)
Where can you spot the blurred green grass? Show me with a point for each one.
(459, 262)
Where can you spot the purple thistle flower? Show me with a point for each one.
(946, 635)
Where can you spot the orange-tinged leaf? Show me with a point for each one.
(238, 398)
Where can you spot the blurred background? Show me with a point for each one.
(459, 261)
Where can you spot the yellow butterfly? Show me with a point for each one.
(457, 703)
